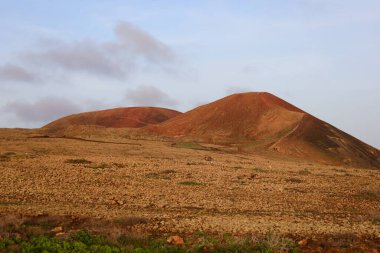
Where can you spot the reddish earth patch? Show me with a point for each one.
(131, 117)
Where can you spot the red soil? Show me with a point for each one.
(131, 117)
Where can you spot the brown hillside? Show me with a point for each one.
(255, 116)
(131, 117)
(258, 121)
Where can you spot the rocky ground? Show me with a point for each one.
(185, 187)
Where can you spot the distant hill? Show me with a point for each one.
(254, 122)
(260, 121)
(130, 117)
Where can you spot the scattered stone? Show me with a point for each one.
(120, 202)
(175, 240)
(57, 229)
(302, 242)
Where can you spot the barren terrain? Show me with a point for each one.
(181, 187)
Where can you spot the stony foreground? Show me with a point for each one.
(185, 187)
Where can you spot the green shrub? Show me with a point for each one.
(83, 241)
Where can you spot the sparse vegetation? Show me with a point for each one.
(340, 170)
(83, 241)
(153, 175)
(90, 164)
(344, 171)
(168, 172)
(294, 180)
(258, 169)
(6, 156)
(370, 195)
(119, 165)
(195, 163)
(304, 172)
(165, 174)
(208, 158)
(43, 224)
(7, 203)
(130, 221)
(192, 183)
(274, 243)
(296, 190)
(190, 145)
(99, 166)
(376, 220)
(78, 161)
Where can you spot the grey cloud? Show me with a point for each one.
(149, 96)
(83, 56)
(115, 59)
(42, 110)
(14, 73)
(132, 38)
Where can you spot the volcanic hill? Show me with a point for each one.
(130, 117)
(260, 121)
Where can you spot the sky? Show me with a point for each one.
(64, 57)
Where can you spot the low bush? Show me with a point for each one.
(83, 241)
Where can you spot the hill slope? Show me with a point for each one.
(258, 121)
(131, 117)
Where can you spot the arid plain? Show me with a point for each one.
(181, 187)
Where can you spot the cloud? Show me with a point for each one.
(141, 43)
(84, 56)
(149, 96)
(14, 73)
(42, 110)
(117, 59)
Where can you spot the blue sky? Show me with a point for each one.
(62, 57)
